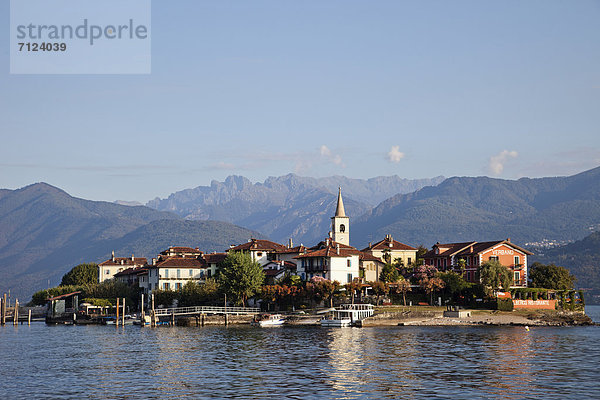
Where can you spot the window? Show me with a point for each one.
(342, 228)
(468, 276)
(259, 254)
(201, 274)
(178, 286)
(349, 278)
(191, 273)
(517, 260)
(409, 261)
(493, 258)
(107, 272)
(349, 262)
(178, 273)
(166, 273)
(208, 273)
(517, 278)
(166, 286)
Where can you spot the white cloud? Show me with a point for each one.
(496, 164)
(333, 158)
(395, 155)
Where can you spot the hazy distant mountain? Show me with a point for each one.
(128, 203)
(45, 231)
(464, 208)
(582, 258)
(286, 206)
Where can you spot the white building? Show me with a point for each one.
(261, 251)
(329, 260)
(109, 268)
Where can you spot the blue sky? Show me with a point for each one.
(356, 88)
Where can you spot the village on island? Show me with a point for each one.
(329, 284)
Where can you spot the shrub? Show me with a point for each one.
(505, 305)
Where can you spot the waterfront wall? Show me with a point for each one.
(536, 304)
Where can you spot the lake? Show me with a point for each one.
(104, 362)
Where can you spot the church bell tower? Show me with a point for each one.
(340, 224)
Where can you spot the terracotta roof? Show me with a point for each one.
(328, 242)
(132, 270)
(258, 244)
(125, 261)
(385, 244)
(297, 249)
(364, 256)
(464, 248)
(214, 258)
(184, 262)
(181, 249)
(63, 296)
(331, 251)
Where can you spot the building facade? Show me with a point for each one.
(109, 268)
(468, 256)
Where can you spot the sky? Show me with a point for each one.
(317, 88)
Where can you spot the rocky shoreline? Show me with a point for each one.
(479, 317)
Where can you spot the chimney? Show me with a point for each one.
(132, 258)
(290, 243)
(337, 248)
(122, 261)
(370, 244)
(508, 240)
(154, 261)
(113, 256)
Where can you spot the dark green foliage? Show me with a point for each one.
(454, 283)
(82, 274)
(550, 277)
(198, 294)
(240, 277)
(165, 298)
(495, 276)
(582, 259)
(505, 305)
(39, 298)
(389, 274)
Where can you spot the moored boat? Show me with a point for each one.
(347, 315)
(268, 320)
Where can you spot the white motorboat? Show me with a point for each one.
(347, 315)
(269, 320)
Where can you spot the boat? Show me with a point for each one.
(269, 320)
(347, 315)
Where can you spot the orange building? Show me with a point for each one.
(470, 255)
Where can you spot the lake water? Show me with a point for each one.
(103, 362)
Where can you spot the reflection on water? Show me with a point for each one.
(298, 362)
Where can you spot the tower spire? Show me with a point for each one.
(339, 211)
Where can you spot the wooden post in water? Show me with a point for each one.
(4, 309)
(142, 315)
(1, 311)
(16, 313)
(173, 318)
(117, 317)
(153, 313)
(123, 315)
(29, 318)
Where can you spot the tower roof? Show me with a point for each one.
(339, 211)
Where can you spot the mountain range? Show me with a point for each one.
(481, 208)
(285, 207)
(44, 232)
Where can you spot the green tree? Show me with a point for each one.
(389, 274)
(240, 277)
(82, 274)
(454, 283)
(495, 275)
(550, 277)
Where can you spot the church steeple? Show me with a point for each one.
(339, 211)
(340, 223)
